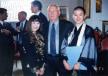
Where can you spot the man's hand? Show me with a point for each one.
(7, 32)
(17, 29)
(17, 54)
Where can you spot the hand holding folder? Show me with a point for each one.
(73, 54)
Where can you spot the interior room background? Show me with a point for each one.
(95, 20)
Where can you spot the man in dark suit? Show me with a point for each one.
(36, 8)
(6, 45)
(21, 27)
(56, 32)
(22, 20)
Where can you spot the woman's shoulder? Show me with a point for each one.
(89, 32)
(40, 36)
(89, 28)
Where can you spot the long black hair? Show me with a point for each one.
(34, 18)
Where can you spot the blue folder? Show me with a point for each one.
(73, 54)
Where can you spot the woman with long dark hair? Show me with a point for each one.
(34, 47)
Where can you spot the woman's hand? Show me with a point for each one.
(66, 65)
(41, 71)
(37, 72)
(77, 66)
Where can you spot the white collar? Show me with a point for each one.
(56, 22)
(37, 13)
(23, 21)
(80, 37)
(1, 22)
(79, 25)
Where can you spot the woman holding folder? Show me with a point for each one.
(81, 36)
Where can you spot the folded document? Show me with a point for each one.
(73, 54)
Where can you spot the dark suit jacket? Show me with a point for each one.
(24, 28)
(33, 58)
(64, 28)
(20, 34)
(44, 23)
(7, 40)
(18, 25)
(6, 47)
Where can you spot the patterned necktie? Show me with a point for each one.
(20, 34)
(21, 26)
(53, 41)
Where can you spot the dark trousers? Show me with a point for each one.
(83, 73)
(26, 70)
(53, 66)
(24, 61)
(6, 65)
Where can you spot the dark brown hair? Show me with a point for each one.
(3, 10)
(80, 8)
(34, 18)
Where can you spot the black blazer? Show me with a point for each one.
(24, 29)
(44, 23)
(32, 58)
(6, 45)
(7, 40)
(43, 18)
(64, 28)
(18, 25)
(21, 35)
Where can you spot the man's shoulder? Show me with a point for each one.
(17, 23)
(66, 22)
(89, 28)
(7, 24)
(42, 15)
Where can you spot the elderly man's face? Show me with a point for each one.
(53, 13)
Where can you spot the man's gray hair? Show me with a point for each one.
(38, 4)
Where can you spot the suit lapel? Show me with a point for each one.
(0, 24)
(60, 33)
(24, 28)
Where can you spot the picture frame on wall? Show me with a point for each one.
(98, 6)
(64, 12)
(105, 27)
(87, 7)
